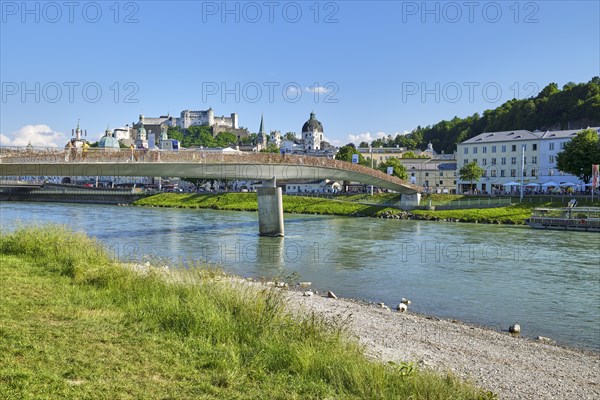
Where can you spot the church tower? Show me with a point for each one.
(262, 136)
(312, 133)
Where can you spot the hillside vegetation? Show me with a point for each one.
(576, 105)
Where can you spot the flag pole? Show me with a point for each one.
(522, 170)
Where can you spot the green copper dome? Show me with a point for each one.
(108, 142)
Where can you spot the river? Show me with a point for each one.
(547, 281)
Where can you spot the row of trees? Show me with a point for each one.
(201, 136)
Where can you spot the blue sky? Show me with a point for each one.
(365, 68)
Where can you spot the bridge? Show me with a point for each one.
(204, 164)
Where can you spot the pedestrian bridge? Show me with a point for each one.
(191, 164)
(266, 167)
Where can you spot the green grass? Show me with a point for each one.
(76, 325)
(515, 214)
(248, 202)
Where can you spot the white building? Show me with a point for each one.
(552, 143)
(312, 133)
(319, 186)
(206, 118)
(515, 156)
(275, 138)
(123, 133)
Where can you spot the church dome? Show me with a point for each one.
(108, 142)
(312, 124)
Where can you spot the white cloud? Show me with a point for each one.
(365, 137)
(317, 89)
(292, 90)
(37, 135)
(334, 142)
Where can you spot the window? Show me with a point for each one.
(513, 161)
(534, 146)
(441, 182)
(493, 173)
(502, 173)
(551, 159)
(441, 173)
(513, 173)
(426, 173)
(534, 159)
(484, 174)
(562, 145)
(524, 147)
(484, 149)
(513, 147)
(524, 160)
(474, 150)
(484, 161)
(466, 161)
(466, 151)
(551, 172)
(493, 149)
(493, 161)
(503, 161)
(475, 160)
(551, 146)
(524, 172)
(504, 148)
(533, 172)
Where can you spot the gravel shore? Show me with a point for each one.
(511, 367)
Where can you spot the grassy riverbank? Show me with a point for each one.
(346, 205)
(77, 325)
(248, 202)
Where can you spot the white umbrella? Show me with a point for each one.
(511, 184)
(588, 184)
(568, 184)
(532, 184)
(550, 184)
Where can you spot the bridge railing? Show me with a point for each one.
(12, 155)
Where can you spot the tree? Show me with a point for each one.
(290, 136)
(224, 139)
(174, 132)
(579, 154)
(250, 139)
(345, 154)
(471, 172)
(399, 169)
(271, 148)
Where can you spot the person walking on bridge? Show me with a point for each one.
(84, 150)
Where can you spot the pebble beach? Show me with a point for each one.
(511, 367)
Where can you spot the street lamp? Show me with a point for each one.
(522, 172)
(371, 151)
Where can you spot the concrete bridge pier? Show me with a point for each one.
(270, 209)
(410, 200)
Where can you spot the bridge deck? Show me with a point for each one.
(190, 164)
